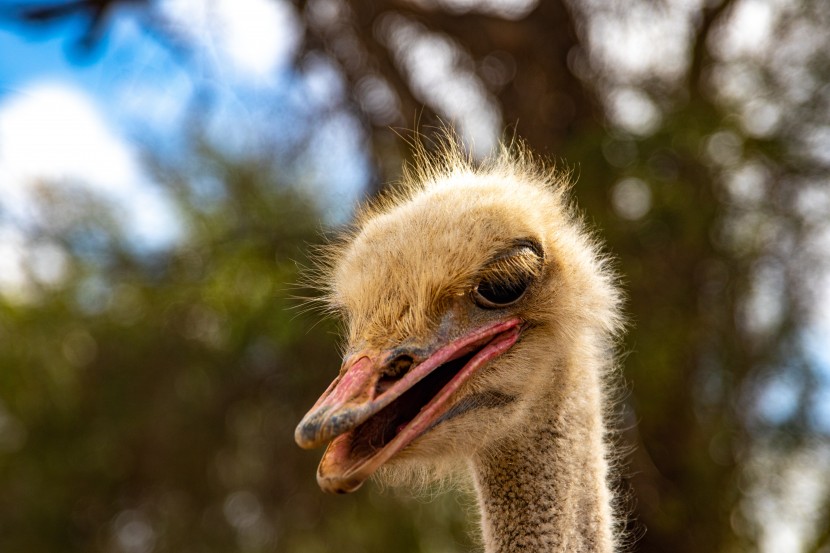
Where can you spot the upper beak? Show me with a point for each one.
(347, 402)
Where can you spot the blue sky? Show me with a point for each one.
(33, 55)
(58, 119)
(131, 90)
(27, 55)
(87, 119)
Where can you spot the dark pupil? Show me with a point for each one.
(502, 291)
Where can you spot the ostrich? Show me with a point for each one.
(480, 319)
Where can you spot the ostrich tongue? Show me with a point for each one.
(369, 417)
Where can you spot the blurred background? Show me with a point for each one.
(165, 165)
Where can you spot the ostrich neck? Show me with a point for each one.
(546, 490)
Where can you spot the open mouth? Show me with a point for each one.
(381, 428)
(370, 418)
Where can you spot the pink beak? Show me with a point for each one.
(370, 381)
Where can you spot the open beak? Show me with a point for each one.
(382, 401)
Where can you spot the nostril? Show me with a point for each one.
(393, 371)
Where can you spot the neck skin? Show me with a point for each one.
(546, 490)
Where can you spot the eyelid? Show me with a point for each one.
(524, 257)
(517, 247)
(532, 244)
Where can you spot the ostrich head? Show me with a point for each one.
(463, 294)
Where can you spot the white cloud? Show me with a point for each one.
(252, 37)
(51, 133)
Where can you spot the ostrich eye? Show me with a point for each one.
(506, 279)
(492, 293)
